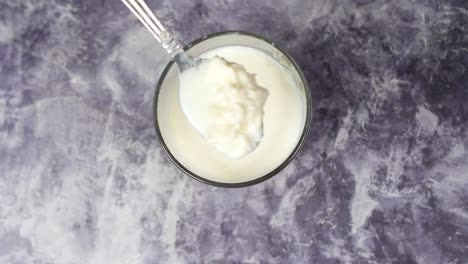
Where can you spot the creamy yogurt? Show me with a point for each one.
(283, 122)
(225, 104)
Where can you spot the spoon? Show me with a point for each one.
(141, 10)
(228, 110)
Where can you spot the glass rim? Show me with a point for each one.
(278, 168)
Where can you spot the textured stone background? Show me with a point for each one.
(383, 177)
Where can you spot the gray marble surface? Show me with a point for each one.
(383, 177)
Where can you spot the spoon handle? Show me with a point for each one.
(141, 10)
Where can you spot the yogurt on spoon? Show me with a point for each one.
(221, 100)
(224, 103)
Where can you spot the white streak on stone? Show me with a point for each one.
(362, 204)
(427, 121)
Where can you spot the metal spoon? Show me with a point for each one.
(141, 10)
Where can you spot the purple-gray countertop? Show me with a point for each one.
(383, 177)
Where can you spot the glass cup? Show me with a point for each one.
(237, 38)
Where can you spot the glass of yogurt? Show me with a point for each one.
(286, 117)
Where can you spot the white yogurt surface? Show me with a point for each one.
(225, 104)
(283, 122)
